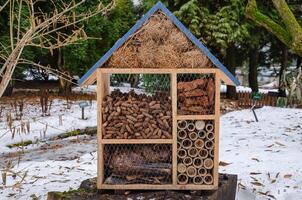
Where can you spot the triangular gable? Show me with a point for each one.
(90, 76)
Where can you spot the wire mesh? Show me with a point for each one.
(196, 94)
(195, 152)
(138, 107)
(138, 163)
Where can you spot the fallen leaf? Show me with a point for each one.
(256, 159)
(255, 173)
(277, 174)
(269, 146)
(257, 184)
(279, 143)
(221, 163)
(287, 176)
(273, 181)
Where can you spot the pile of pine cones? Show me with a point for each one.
(136, 116)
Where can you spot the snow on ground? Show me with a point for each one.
(241, 88)
(265, 155)
(41, 128)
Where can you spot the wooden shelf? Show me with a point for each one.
(195, 117)
(136, 141)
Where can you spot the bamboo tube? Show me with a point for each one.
(202, 134)
(181, 168)
(209, 144)
(187, 161)
(178, 145)
(191, 171)
(209, 127)
(211, 152)
(182, 134)
(193, 152)
(197, 162)
(203, 153)
(202, 171)
(199, 125)
(210, 135)
(186, 144)
(193, 135)
(199, 143)
(198, 180)
(191, 126)
(182, 179)
(181, 153)
(182, 124)
(208, 179)
(208, 163)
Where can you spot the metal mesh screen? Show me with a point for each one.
(196, 94)
(195, 152)
(138, 107)
(138, 163)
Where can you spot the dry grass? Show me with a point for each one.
(158, 44)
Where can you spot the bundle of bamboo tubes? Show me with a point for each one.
(196, 97)
(195, 152)
(136, 116)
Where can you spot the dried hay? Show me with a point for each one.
(158, 44)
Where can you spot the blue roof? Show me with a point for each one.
(160, 6)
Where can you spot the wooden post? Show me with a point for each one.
(217, 121)
(102, 90)
(173, 77)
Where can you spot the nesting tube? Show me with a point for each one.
(210, 135)
(182, 179)
(197, 180)
(178, 145)
(186, 144)
(208, 179)
(181, 153)
(182, 134)
(197, 162)
(191, 126)
(191, 171)
(208, 163)
(187, 161)
(203, 153)
(193, 136)
(209, 127)
(209, 144)
(181, 168)
(182, 124)
(199, 125)
(199, 143)
(193, 152)
(202, 171)
(202, 134)
(211, 152)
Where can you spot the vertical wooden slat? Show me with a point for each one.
(173, 82)
(217, 121)
(102, 90)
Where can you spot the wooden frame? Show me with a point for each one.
(103, 89)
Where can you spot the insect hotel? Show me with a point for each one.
(158, 94)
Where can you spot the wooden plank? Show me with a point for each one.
(217, 121)
(136, 141)
(173, 89)
(195, 117)
(158, 187)
(158, 70)
(102, 89)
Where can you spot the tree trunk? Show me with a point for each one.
(253, 68)
(299, 60)
(231, 65)
(284, 64)
(65, 86)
